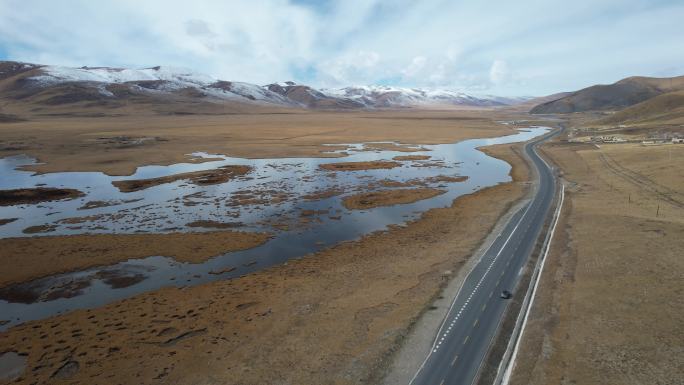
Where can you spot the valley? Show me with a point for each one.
(269, 300)
(270, 240)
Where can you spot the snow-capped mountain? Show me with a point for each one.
(154, 79)
(310, 97)
(53, 74)
(63, 85)
(385, 96)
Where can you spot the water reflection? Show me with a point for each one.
(165, 208)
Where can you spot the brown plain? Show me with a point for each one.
(610, 304)
(203, 178)
(5, 221)
(36, 195)
(380, 198)
(448, 179)
(332, 317)
(357, 166)
(35, 257)
(82, 144)
(213, 224)
(411, 157)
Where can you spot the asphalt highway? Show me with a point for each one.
(474, 317)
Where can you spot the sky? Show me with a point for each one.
(498, 47)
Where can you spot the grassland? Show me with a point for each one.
(202, 178)
(117, 145)
(36, 257)
(331, 317)
(389, 197)
(609, 309)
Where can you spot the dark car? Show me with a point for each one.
(506, 294)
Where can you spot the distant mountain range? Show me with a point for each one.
(45, 85)
(32, 89)
(631, 100)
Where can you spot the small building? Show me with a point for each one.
(608, 139)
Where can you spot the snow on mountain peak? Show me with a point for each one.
(389, 96)
(55, 74)
(289, 93)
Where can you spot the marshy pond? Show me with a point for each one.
(307, 204)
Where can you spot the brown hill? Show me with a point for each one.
(23, 94)
(616, 96)
(665, 108)
(310, 97)
(528, 104)
(31, 90)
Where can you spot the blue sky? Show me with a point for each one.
(524, 47)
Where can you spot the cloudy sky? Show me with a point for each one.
(524, 47)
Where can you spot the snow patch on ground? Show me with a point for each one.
(102, 88)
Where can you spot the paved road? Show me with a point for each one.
(474, 317)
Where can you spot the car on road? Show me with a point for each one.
(506, 294)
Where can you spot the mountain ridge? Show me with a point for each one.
(662, 109)
(616, 96)
(47, 85)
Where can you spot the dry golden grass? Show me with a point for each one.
(36, 195)
(356, 166)
(118, 144)
(663, 109)
(609, 309)
(202, 178)
(36, 257)
(411, 157)
(389, 197)
(328, 318)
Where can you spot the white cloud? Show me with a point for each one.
(499, 72)
(349, 68)
(415, 68)
(431, 42)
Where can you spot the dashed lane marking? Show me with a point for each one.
(437, 343)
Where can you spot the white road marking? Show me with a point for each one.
(511, 363)
(494, 259)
